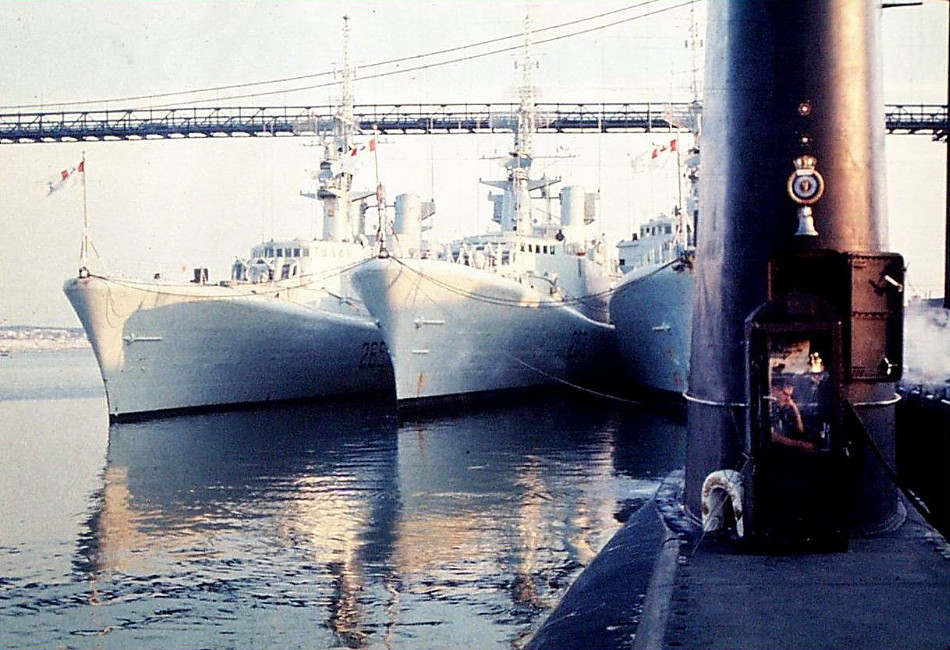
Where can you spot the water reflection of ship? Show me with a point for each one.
(180, 496)
(338, 511)
(524, 506)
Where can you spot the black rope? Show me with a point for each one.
(578, 387)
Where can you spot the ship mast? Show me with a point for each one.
(519, 166)
(513, 207)
(344, 122)
(690, 216)
(342, 215)
(84, 247)
(527, 117)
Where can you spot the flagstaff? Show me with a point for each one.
(84, 246)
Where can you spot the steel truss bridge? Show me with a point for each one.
(402, 119)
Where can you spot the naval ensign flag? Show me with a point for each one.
(67, 178)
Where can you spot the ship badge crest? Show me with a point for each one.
(806, 185)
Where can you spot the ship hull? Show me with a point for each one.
(169, 348)
(456, 331)
(652, 309)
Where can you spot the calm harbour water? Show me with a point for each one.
(308, 526)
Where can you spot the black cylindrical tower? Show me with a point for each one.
(784, 79)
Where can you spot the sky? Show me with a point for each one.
(171, 205)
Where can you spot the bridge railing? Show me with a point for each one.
(554, 117)
(916, 118)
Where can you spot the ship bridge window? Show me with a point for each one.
(268, 252)
(546, 250)
(522, 248)
(288, 270)
(280, 252)
(306, 252)
(296, 252)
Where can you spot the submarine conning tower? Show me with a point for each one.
(796, 338)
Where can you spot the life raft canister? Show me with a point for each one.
(719, 486)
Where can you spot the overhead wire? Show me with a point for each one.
(378, 64)
(438, 64)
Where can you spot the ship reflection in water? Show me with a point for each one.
(334, 525)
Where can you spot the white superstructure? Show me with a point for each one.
(286, 324)
(522, 306)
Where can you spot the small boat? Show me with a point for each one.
(285, 325)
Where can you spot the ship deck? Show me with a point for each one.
(886, 591)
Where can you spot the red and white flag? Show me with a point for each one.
(67, 178)
(663, 148)
(354, 159)
(370, 146)
(654, 158)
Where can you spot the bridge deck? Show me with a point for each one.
(190, 122)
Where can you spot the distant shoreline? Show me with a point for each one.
(36, 338)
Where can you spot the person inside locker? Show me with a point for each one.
(786, 418)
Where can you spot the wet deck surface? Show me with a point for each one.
(884, 592)
(888, 591)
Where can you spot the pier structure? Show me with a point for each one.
(119, 124)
